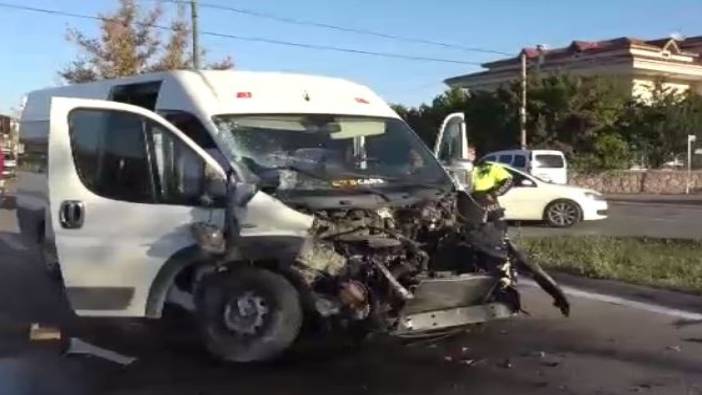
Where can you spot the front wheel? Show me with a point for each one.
(248, 314)
(562, 214)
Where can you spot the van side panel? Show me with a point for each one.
(32, 180)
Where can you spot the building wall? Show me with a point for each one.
(642, 88)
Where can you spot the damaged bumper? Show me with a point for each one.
(452, 301)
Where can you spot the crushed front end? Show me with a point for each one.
(410, 268)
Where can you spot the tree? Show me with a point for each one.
(130, 43)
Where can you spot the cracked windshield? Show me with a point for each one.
(359, 197)
(326, 151)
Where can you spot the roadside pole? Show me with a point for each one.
(691, 138)
(522, 110)
(196, 36)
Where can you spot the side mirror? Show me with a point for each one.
(241, 193)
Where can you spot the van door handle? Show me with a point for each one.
(72, 214)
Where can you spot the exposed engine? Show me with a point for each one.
(365, 265)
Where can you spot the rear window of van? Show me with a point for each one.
(549, 161)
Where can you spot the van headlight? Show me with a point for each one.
(595, 196)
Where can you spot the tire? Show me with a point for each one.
(562, 214)
(248, 315)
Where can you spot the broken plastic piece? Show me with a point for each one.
(39, 333)
(78, 346)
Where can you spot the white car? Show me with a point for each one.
(532, 199)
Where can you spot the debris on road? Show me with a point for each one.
(78, 346)
(551, 364)
(507, 364)
(43, 333)
(673, 348)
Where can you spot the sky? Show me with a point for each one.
(35, 47)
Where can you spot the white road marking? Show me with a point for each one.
(650, 307)
(13, 241)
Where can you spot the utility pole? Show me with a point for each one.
(196, 35)
(691, 138)
(522, 109)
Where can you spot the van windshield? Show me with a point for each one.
(318, 151)
(549, 161)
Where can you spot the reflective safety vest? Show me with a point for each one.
(487, 176)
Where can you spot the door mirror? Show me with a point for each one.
(451, 142)
(241, 193)
(527, 183)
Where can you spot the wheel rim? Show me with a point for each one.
(245, 314)
(563, 214)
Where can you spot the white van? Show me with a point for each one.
(265, 199)
(548, 165)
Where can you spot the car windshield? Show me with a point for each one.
(329, 151)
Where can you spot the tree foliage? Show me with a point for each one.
(130, 43)
(595, 121)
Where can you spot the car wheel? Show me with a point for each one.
(248, 314)
(562, 214)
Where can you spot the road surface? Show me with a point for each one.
(603, 348)
(653, 219)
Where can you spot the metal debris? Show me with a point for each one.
(551, 364)
(465, 349)
(448, 358)
(78, 346)
(468, 362)
(673, 348)
(507, 364)
(43, 333)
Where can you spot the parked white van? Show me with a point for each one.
(268, 199)
(548, 165)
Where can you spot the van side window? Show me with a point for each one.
(519, 161)
(191, 126)
(506, 159)
(141, 94)
(490, 158)
(124, 156)
(180, 171)
(110, 155)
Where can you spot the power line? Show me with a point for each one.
(251, 39)
(278, 18)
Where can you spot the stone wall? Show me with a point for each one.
(667, 182)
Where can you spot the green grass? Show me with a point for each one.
(663, 263)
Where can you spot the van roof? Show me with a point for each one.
(233, 91)
(525, 151)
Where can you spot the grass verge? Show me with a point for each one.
(662, 263)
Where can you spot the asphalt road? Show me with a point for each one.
(653, 219)
(603, 348)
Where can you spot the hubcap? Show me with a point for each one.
(245, 314)
(563, 214)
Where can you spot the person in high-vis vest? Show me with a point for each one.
(488, 181)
